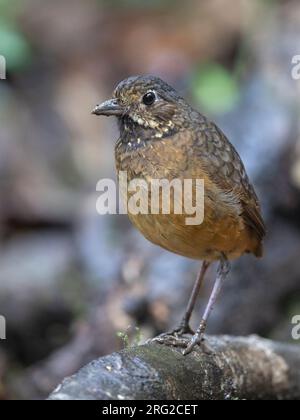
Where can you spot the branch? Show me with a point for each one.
(234, 368)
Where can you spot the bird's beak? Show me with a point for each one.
(108, 108)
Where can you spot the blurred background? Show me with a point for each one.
(75, 285)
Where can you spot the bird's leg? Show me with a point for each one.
(184, 326)
(222, 273)
(171, 337)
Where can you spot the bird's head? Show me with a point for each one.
(147, 102)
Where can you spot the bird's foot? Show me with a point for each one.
(171, 340)
(197, 339)
(175, 337)
(185, 343)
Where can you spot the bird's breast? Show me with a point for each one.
(220, 230)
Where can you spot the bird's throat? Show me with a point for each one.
(135, 134)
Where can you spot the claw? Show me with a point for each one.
(196, 339)
(183, 342)
(171, 340)
(175, 338)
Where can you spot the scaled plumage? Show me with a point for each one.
(172, 140)
(163, 137)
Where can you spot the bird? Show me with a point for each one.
(163, 137)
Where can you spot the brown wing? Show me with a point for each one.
(224, 166)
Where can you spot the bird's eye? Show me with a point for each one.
(149, 98)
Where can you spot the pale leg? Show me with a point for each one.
(223, 271)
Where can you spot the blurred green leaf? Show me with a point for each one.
(10, 8)
(14, 47)
(215, 89)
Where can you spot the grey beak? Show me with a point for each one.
(108, 108)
